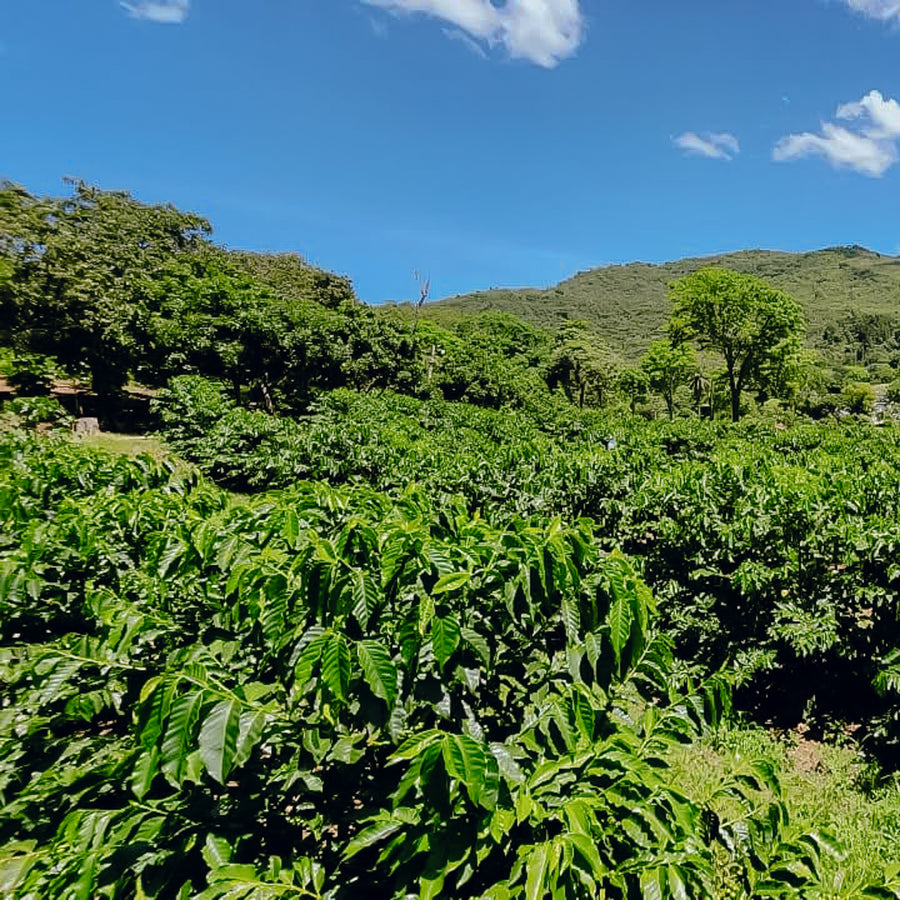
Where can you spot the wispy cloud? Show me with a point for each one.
(379, 28)
(470, 43)
(883, 10)
(712, 146)
(870, 148)
(542, 31)
(168, 12)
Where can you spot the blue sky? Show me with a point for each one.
(482, 143)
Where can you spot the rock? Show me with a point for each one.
(86, 427)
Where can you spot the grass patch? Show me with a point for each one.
(126, 444)
(825, 787)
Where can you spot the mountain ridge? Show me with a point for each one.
(627, 303)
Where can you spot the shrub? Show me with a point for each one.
(33, 411)
(858, 397)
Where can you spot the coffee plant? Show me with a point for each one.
(332, 692)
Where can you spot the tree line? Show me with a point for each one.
(114, 290)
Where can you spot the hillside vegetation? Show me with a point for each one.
(628, 304)
(386, 607)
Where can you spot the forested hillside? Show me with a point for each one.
(628, 305)
(466, 608)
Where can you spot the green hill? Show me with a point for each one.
(628, 303)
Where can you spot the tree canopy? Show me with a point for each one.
(583, 365)
(746, 320)
(74, 263)
(667, 367)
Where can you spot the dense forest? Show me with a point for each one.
(443, 599)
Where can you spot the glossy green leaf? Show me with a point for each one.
(179, 736)
(336, 665)
(445, 637)
(379, 670)
(218, 738)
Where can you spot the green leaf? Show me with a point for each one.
(677, 884)
(536, 871)
(440, 560)
(509, 768)
(336, 665)
(290, 528)
(275, 607)
(426, 613)
(16, 860)
(431, 886)
(218, 738)
(310, 655)
(374, 833)
(571, 619)
(145, 769)
(654, 884)
(175, 549)
(238, 575)
(620, 621)
(252, 726)
(179, 735)
(158, 693)
(379, 670)
(216, 852)
(366, 597)
(586, 847)
(451, 582)
(465, 761)
(478, 644)
(445, 635)
(502, 822)
(825, 840)
(414, 746)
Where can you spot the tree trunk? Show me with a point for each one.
(735, 398)
(268, 403)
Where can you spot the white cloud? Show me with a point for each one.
(712, 146)
(456, 35)
(871, 149)
(168, 12)
(884, 10)
(883, 114)
(542, 31)
(841, 148)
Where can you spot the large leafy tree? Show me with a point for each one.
(492, 360)
(667, 367)
(206, 315)
(293, 278)
(750, 323)
(583, 365)
(111, 287)
(633, 385)
(201, 315)
(73, 265)
(507, 335)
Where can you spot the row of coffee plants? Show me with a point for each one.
(774, 552)
(328, 692)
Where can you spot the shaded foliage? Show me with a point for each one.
(772, 551)
(321, 689)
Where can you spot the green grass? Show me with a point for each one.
(126, 444)
(628, 304)
(825, 787)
